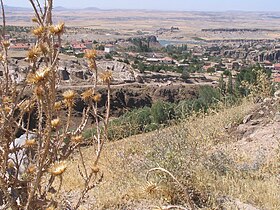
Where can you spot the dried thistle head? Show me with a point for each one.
(33, 54)
(69, 94)
(39, 31)
(39, 76)
(57, 29)
(31, 169)
(7, 109)
(106, 77)
(6, 44)
(35, 20)
(77, 139)
(44, 48)
(88, 94)
(7, 99)
(97, 97)
(58, 168)
(92, 64)
(95, 169)
(30, 143)
(39, 91)
(58, 105)
(55, 123)
(69, 97)
(90, 54)
(11, 164)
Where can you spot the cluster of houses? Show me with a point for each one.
(74, 48)
(232, 56)
(79, 48)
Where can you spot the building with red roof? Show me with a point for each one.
(277, 67)
(20, 47)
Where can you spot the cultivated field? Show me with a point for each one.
(110, 24)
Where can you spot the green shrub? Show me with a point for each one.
(162, 112)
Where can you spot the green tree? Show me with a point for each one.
(108, 56)
(185, 75)
(142, 67)
(211, 70)
(162, 112)
(222, 84)
(230, 85)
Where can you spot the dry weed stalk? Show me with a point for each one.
(190, 203)
(30, 166)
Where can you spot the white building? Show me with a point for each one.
(109, 48)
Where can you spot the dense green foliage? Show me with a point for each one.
(248, 75)
(160, 114)
(142, 67)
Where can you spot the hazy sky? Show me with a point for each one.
(189, 5)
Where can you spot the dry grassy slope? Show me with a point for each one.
(202, 152)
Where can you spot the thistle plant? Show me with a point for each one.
(31, 165)
(262, 88)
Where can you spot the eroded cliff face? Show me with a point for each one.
(128, 97)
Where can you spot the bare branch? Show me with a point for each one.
(4, 20)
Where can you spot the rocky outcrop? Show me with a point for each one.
(128, 97)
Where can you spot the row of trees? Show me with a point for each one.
(244, 81)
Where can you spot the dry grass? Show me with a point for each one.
(185, 150)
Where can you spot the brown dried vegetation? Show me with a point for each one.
(31, 165)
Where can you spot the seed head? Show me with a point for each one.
(39, 31)
(44, 48)
(95, 169)
(92, 65)
(90, 54)
(6, 44)
(7, 99)
(31, 169)
(55, 123)
(39, 76)
(33, 54)
(30, 143)
(77, 139)
(39, 91)
(106, 77)
(87, 94)
(97, 97)
(11, 164)
(69, 94)
(58, 105)
(7, 109)
(35, 20)
(58, 168)
(57, 29)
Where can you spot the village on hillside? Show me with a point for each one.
(143, 59)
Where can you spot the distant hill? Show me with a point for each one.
(71, 9)
(59, 8)
(16, 9)
(91, 8)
